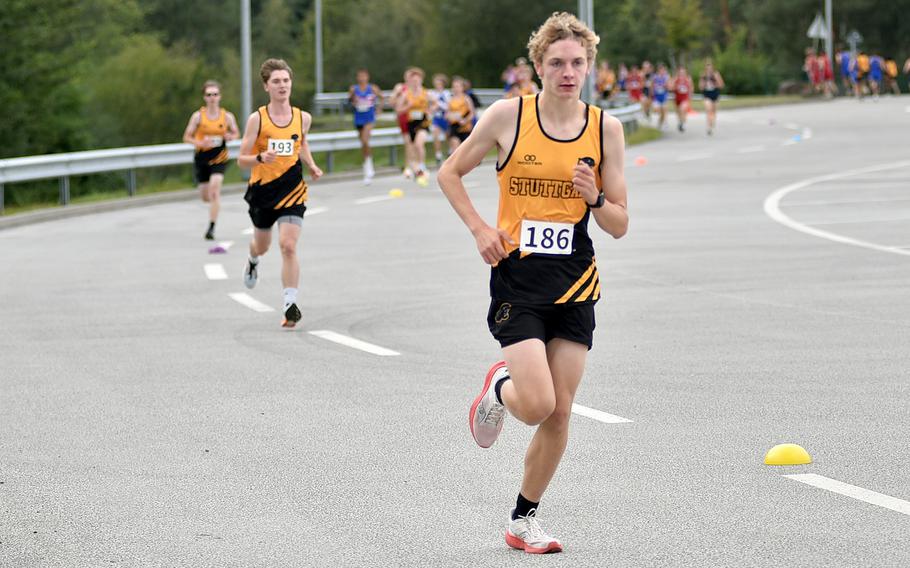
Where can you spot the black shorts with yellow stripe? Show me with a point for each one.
(208, 162)
(281, 197)
(510, 322)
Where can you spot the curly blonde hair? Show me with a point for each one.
(561, 25)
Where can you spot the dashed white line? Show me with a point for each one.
(807, 133)
(373, 199)
(250, 302)
(354, 343)
(693, 157)
(750, 149)
(315, 211)
(772, 208)
(226, 245)
(853, 491)
(215, 272)
(598, 415)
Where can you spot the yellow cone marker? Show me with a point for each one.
(787, 454)
(396, 193)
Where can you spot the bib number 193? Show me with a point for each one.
(281, 147)
(547, 238)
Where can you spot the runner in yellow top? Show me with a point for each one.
(460, 115)
(208, 130)
(418, 111)
(275, 147)
(560, 163)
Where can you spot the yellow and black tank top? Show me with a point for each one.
(278, 185)
(418, 105)
(539, 206)
(459, 106)
(216, 128)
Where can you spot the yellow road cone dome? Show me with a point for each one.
(787, 454)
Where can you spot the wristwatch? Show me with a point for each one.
(259, 157)
(599, 203)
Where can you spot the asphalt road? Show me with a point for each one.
(149, 419)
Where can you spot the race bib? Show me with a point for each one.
(545, 237)
(216, 141)
(363, 107)
(281, 147)
(416, 115)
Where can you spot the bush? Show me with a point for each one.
(744, 72)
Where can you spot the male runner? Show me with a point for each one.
(560, 163)
(208, 130)
(439, 103)
(460, 116)
(400, 103)
(417, 103)
(660, 83)
(634, 84)
(363, 97)
(274, 145)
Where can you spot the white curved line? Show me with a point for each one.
(772, 208)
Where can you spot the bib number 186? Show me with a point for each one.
(547, 238)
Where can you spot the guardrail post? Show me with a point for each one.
(2, 199)
(393, 155)
(131, 182)
(65, 190)
(328, 162)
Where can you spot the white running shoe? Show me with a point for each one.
(250, 274)
(525, 533)
(408, 173)
(487, 414)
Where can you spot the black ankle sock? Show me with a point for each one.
(498, 388)
(523, 507)
(211, 225)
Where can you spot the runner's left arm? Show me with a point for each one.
(305, 156)
(612, 217)
(233, 132)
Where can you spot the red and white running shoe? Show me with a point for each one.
(487, 414)
(525, 533)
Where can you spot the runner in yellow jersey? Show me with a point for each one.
(208, 130)
(460, 114)
(275, 147)
(417, 105)
(560, 163)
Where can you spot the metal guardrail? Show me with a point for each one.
(128, 160)
(338, 102)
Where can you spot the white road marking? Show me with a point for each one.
(907, 109)
(354, 343)
(693, 157)
(849, 221)
(807, 133)
(226, 245)
(248, 231)
(215, 272)
(315, 211)
(772, 208)
(373, 199)
(750, 149)
(250, 302)
(598, 415)
(853, 491)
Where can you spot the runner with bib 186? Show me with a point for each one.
(560, 163)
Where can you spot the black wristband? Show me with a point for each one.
(259, 157)
(599, 202)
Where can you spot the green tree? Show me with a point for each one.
(684, 25)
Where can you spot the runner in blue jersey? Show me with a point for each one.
(659, 89)
(363, 97)
(439, 105)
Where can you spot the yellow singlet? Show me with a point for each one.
(216, 128)
(552, 261)
(279, 184)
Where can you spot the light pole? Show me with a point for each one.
(318, 47)
(830, 39)
(586, 15)
(246, 86)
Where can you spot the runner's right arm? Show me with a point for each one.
(497, 124)
(188, 134)
(247, 159)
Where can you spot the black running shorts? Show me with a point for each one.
(264, 218)
(204, 170)
(510, 323)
